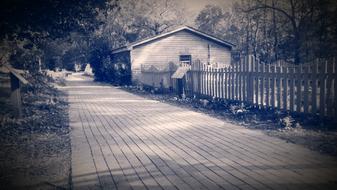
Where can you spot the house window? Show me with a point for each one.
(185, 59)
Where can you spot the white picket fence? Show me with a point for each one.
(309, 88)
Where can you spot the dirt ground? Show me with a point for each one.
(35, 150)
(307, 130)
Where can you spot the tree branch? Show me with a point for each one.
(291, 18)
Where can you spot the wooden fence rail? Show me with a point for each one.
(309, 88)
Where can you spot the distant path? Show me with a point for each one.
(123, 141)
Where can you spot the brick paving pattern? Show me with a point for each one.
(124, 141)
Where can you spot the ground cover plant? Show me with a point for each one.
(35, 149)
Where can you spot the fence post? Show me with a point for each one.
(273, 81)
(213, 83)
(208, 73)
(244, 78)
(322, 89)
(202, 79)
(198, 77)
(250, 91)
(226, 83)
(335, 88)
(267, 84)
(279, 85)
(306, 89)
(314, 78)
(16, 95)
(262, 74)
(299, 89)
(222, 82)
(329, 86)
(285, 87)
(218, 83)
(236, 74)
(232, 83)
(256, 81)
(292, 77)
(206, 79)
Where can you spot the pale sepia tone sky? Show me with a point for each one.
(193, 7)
(197, 5)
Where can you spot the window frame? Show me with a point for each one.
(185, 58)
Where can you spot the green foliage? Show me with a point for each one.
(296, 31)
(210, 18)
(32, 26)
(107, 68)
(57, 17)
(98, 58)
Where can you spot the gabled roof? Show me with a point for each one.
(186, 28)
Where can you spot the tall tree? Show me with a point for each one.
(134, 20)
(298, 34)
(35, 23)
(210, 19)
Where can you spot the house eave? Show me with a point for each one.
(121, 49)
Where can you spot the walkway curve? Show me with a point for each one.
(124, 141)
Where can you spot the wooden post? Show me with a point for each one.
(250, 92)
(322, 73)
(236, 74)
(273, 77)
(285, 87)
(314, 78)
(244, 78)
(226, 83)
(16, 95)
(229, 82)
(306, 90)
(222, 82)
(256, 72)
(202, 78)
(206, 80)
(267, 84)
(218, 83)
(335, 87)
(198, 77)
(213, 81)
(329, 101)
(299, 89)
(209, 74)
(279, 86)
(232, 83)
(292, 77)
(262, 74)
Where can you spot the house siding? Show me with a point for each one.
(162, 51)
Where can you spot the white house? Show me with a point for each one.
(184, 44)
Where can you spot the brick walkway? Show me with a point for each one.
(123, 141)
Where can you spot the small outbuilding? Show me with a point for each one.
(183, 45)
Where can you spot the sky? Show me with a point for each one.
(197, 5)
(193, 7)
